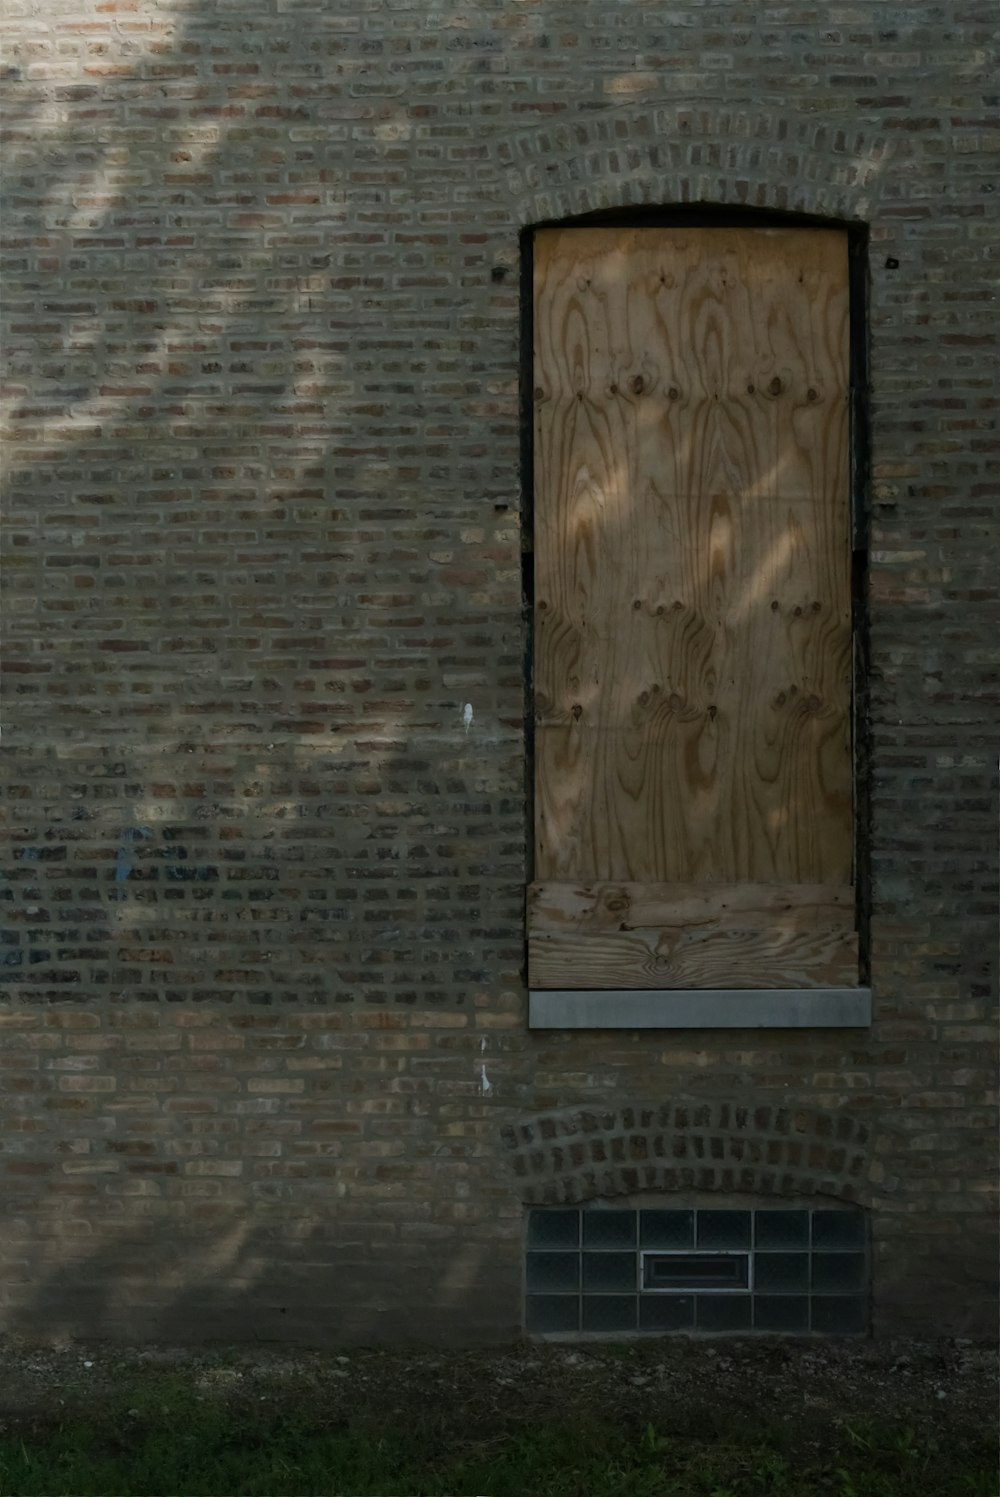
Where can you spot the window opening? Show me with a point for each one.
(695, 585)
(607, 1270)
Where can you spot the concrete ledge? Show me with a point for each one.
(696, 1008)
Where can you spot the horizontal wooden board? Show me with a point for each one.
(635, 936)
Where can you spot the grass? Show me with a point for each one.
(160, 1435)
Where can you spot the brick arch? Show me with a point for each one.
(694, 1146)
(733, 156)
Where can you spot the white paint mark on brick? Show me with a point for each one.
(484, 1082)
(467, 716)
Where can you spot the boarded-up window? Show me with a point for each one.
(694, 800)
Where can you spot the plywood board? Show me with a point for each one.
(692, 559)
(634, 936)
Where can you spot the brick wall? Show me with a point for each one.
(264, 1044)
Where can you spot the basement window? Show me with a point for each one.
(696, 595)
(620, 1272)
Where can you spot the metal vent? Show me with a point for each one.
(679, 1273)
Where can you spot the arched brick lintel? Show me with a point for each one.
(732, 156)
(691, 1146)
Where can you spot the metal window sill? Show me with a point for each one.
(702, 1008)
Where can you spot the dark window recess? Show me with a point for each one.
(723, 1229)
(778, 1271)
(666, 1312)
(609, 1312)
(781, 1312)
(723, 1312)
(608, 1229)
(553, 1271)
(608, 1271)
(668, 1272)
(782, 1229)
(838, 1273)
(781, 1273)
(666, 1229)
(554, 1229)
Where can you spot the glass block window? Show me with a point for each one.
(779, 1270)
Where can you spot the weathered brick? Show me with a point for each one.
(261, 933)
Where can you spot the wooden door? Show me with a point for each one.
(692, 639)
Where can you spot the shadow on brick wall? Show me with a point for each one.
(239, 745)
(228, 784)
(248, 1286)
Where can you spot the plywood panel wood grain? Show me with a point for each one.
(692, 563)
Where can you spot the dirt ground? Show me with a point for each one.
(944, 1391)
